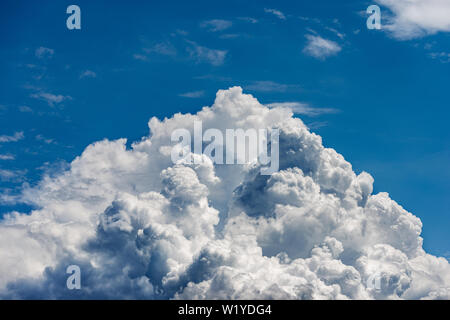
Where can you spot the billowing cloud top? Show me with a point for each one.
(140, 226)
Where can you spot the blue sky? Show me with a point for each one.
(380, 99)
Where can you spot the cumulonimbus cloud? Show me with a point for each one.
(140, 226)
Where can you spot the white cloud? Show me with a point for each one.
(12, 175)
(40, 137)
(7, 157)
(44, 53)
(269, 86)
(50, 98)
(181, 32)
(193, 94)
(417, 18)
(163, 48)
(25, 109)
(6, 174)
(216, 25)
(303, 108)
(88, 74)
(14, 138)
(336, 32)
(249, 19)
(140, 226)
(229, 36)
(443, 57)
(317, 124)
(277, 13)
(320, 48)
(141, 57)
(203, 54)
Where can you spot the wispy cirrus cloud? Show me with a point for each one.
(277, 13)
(193, 94)
(41, 138)
(44, 53)
(230, 36)
(50, 98)
(317, 124)
(320, 48)
(160, 48)
(7, 156)
(88, 74)
(216, 25)
(214, 57)
(213, 77)
(12, 175)
(270, 86)
(303, 108)
(141, 57)
(180, 32)
(25, 109)
(14, 138)
(443, 57)
(163, 48)
(248, 19)
(341, 35)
